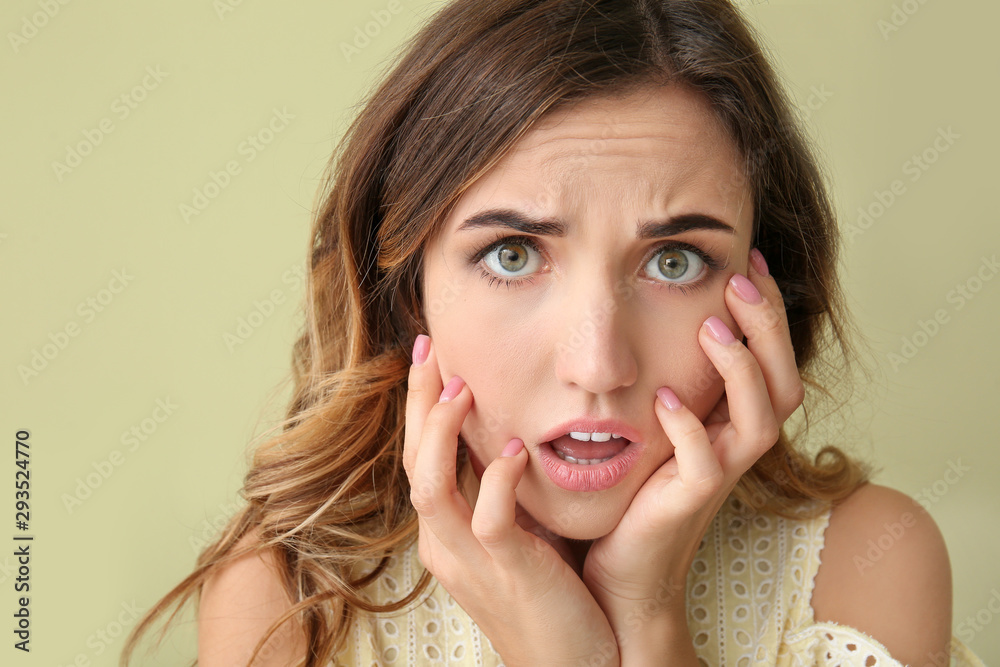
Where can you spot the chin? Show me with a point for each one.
(589, 518)
(586, 530)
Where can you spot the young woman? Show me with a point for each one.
(574, 271)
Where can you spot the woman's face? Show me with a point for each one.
(569, 283)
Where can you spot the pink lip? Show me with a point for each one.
(594, 477)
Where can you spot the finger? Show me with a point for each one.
(493, 521)
(761, 318)
(423, 389)
(719, 413)
(433, 488)
(750, 410)
(698, 465)
(762, 279)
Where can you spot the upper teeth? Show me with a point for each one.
(596, 437)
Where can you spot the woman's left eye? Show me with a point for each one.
(675, 265)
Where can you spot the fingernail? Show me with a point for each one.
(513, 447)
(421, 348)
(719, 330)
(668, 398)
(745, 289)
(758, 262)
(452, 389)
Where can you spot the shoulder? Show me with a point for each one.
(238, 604)
(885, 571)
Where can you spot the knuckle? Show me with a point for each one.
(690, 429)
(743, 362)
(422, 503)
(414, 388)
(769, 434)
(424, 498)
(436, 428)
(487, 532)
(495, 474)
(797, 394)
(711, 484)
(766, 322)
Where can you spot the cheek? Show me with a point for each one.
(502, 382)
(682, 364)
(483, 345)
(701, 387)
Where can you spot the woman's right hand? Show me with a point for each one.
(527, 600)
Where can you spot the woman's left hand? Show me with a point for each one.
(638, 572)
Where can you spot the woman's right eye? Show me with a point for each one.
(508, 257)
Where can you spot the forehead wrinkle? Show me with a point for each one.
(683, 167)
(699, 147)
(582, 153)
(555, 147)
(644, 184)
(599, 122)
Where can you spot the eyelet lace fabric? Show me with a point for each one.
(748, 603)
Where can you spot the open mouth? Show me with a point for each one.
(576, 463)
(589, 448)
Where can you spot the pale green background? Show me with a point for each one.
(162, 337)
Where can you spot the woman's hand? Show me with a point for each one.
(638, 572)
(519, 591)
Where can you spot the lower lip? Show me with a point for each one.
(592, 477)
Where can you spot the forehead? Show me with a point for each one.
(675, 115)
(652, 151)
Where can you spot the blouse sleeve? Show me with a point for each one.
(834, 645)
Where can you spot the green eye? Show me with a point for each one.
(508, 258)
(675, 265)
(511, 257)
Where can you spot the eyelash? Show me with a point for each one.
(528, 241)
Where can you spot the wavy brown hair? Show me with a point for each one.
(328, 492)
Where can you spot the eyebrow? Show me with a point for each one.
(653, 229)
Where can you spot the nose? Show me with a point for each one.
(594, 350)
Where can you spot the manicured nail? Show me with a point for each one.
(745, 289)
(668, 398)
(719, 330)
(421, 348)
(513, 447)
(758, 262)
(452, 389)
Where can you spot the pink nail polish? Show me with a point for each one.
(669, 398)
(513, 447)
(758, 262)
(452, 389)
(719, 330)
(745, 289)
(421, 348)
